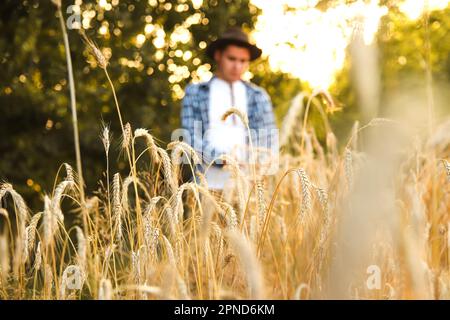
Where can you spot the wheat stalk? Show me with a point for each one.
(298, 292)
(241, 187)
(117, 206)
(49, 223)
(38, 257)
(283, 229)
(57, 3)
(446, 165)
(167, 170)
(180, 148)
(105, 291)
(106, 138)
(101, 59)
(31, 230)
(4, 257)
(63, 186)
(237, 112)
(82, 248)
(306, 194)
(250, 264)
(230, 214)
(136, 266)
(151, 145)
(348, 166)
(261, 202)
(22, 210)
(244, 118)
(169, 252)
(73, 104)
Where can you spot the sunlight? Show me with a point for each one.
(414, 9)
(310, 44)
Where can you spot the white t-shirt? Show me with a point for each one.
(227, 136)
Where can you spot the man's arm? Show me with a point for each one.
(267, 125)
(266, 135)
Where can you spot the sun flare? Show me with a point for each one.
(310, 44)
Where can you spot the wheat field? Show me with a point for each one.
(366, 218)
(309, 231)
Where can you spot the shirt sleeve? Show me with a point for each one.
(267, 128)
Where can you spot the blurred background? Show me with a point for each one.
(370, 55)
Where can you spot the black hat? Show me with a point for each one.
(236, 36)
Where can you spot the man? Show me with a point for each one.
(205, 103)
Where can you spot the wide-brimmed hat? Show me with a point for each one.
(236, 36)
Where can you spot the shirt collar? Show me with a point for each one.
(206, 84)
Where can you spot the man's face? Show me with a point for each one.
(232, 62)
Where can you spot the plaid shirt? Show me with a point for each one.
(195, 107)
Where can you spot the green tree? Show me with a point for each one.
(149, 77)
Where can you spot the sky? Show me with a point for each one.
(310, 44)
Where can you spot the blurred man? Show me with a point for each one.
(205, 103)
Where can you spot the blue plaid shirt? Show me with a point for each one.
(195, 107)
